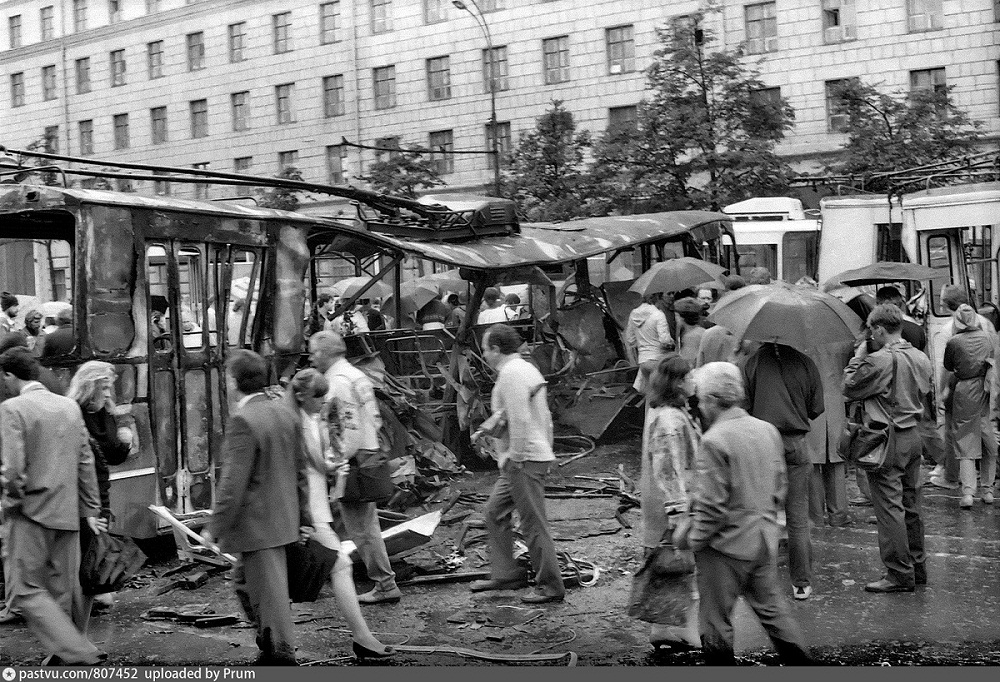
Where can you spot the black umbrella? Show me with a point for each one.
(884, 272)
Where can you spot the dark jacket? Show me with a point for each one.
(263, 494)
(59, 342)
(783, 388)
(108, 451)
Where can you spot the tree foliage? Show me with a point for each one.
(548, 177)
(705, 135)
(898, 131)
(282, 198)
(402, 173)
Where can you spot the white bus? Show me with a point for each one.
(775, 233)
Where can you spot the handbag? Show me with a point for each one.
(870, 445)
(309, 567)
(108, 562)
(662, 588)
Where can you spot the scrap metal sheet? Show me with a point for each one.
(542, 243)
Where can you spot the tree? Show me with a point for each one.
(548, 177)
(401, 173)
(893, 132)
(282, 198)
(48, 143)
(705, 135)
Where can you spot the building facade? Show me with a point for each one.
(254, 85)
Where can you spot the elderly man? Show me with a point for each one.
(969, 358)
(895, 383)
(738, 488)
(356, 420)
(47, 483)
(262, 505)
(524, 461)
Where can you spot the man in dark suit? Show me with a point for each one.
(261, 504)
(47, 483)
(738, 488)
(60, 341)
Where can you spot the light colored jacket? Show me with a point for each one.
(647, 331)
(520, 394)
(354, 415)
(47, 469)
(740, 484)
(669, 445)
(868, 380)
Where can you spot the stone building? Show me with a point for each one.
(251, 85)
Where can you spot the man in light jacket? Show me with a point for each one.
(47, 483)
(648, 335)
(524, 461)
(738, 489)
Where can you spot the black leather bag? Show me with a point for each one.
(309, 567)
(369, 478)
(870, 445)
(108, 561)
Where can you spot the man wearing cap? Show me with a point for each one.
(9, 305)
(739, 486)
(494, 311)
(968, 361)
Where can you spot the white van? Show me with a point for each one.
(775, 233)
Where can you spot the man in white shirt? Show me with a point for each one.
(525, 455)
(494, 311)
(355, 417)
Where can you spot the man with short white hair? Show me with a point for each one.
(739, 487)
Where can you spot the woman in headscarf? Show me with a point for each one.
(305, 396)
(92, 388)
(969, 358)
(669, 445)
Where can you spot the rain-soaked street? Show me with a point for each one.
(951, 621)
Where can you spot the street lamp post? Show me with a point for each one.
(494, 137)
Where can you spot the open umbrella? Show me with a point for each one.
(674, 275)
(796, 316)
(346, 288)
(884, 272)
(449, 280)
(414, 295)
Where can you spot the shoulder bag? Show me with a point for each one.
(870, 445)
(662, 588)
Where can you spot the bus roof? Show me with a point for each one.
(775, 208)
(956, 194)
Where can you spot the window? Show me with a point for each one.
(124, 185)
(49, 82)
(283, 101)
(329, 22)
(51, 137)
(837, 117)
(82, 75)
(623, 119)
(928, 79)
(199, 118)
(434, 11)
(442, 143)
(498, 78)
(336, 156)
(621, 50)
(79, 15)
(556, 59)
(761, 27)
(152, 6)
(333, 96)
(381, 16)
(114, 11)
(17, 89)
(161, 188)
(86, 129)
(243, 164)
(158, 124)
(503, 144)
(386, 143)
(196, 51)
(47, 21)
(385, 86)
(241, 110)
(237, 41)
(282, 32)
(839, 21)
(14, 26)
(438, 79)
(121, 131)
(200, 188)
(924, 15)
(288, 159)
(769, 96)
(117, 68)
(154, 59)
(490, 5)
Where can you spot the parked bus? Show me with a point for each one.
(775, 233)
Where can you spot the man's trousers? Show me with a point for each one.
(361, 523)
(261, 582)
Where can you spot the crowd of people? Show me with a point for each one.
(43, 340)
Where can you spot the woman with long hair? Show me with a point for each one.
(92, 388)
(669, 445)
(305, 395)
